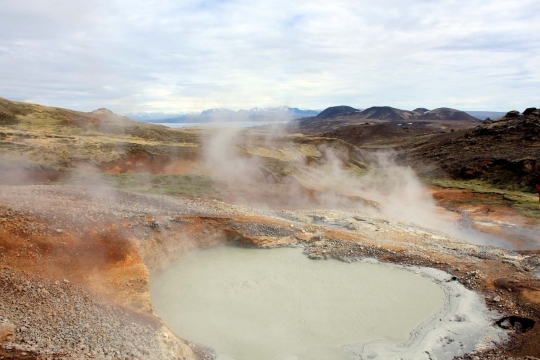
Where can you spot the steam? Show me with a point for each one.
(399, 191)
(332, 182)
(224, 160)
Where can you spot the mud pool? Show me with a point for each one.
(278, 304)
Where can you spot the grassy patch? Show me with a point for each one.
(526, 202)
(179, 184)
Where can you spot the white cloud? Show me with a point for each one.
(192, 55)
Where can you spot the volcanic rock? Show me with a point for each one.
(529, 111)
(512, 114)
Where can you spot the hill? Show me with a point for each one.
(43, 117)
(504, 152)
(445, 114)
(380, 133)
(336, 111)
(385, 113)
(335, 118)
(40, 143)
(445, 142)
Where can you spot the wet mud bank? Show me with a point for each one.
(463, 325)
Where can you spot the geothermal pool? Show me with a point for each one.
(279, 305)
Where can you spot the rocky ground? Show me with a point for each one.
(76, 264)
(60, 319)
(504, 151)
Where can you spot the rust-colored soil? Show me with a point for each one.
(489, 216)
(141, 161)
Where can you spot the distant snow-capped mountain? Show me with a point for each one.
(281, 113)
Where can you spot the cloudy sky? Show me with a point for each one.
(190, 55)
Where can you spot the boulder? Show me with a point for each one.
(529, 111)
(512, 114)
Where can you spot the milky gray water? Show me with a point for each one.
(255, 304)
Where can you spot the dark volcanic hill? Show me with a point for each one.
(385, 113)
(395, 115)
(337, 117)
(505, 151)
(336, 111)
(445, 114)
(420, 110)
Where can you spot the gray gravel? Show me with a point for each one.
(61, 320)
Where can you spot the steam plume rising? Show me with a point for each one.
(396, 188)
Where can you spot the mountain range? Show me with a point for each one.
(282, 113)
(285, 113)
(393, 114)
